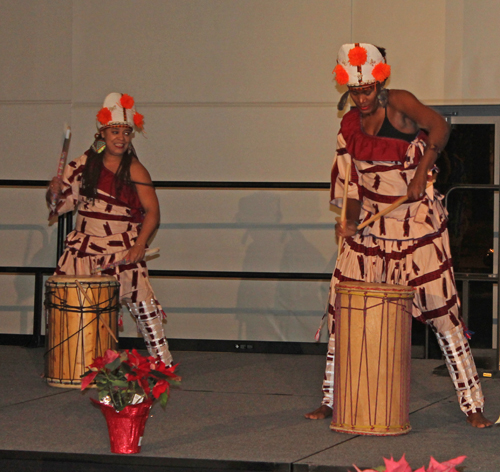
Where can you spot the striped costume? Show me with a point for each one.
(105, 230)
(408, 246)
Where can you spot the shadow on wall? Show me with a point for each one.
(280, 310)
(22, 288)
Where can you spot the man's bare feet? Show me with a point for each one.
(478, 420)
(324, 411)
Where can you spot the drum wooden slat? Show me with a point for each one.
(75, 330)
(372, 359)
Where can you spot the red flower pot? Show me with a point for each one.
(126, 427)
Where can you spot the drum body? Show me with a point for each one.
(79, 311)
(372, 359)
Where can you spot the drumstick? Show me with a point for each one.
(62, 160)
(64, 153)
(82, 290)
(391, 207)
(344, 206)
(149, 252)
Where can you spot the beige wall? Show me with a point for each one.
(231, 90)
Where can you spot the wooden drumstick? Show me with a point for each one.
(64, 153)
(62, 159)
(344, 205)
(149, 252)
(84, 293)
(391, 207)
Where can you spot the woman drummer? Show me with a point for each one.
(118, 212)
(393, 141)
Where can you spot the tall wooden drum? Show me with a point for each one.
(81, 324)
(372, 359)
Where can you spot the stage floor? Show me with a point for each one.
(234, 411)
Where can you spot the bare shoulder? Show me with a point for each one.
(411, 109)
(402, 99)
(138, 173)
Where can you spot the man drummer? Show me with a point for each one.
(392, 141)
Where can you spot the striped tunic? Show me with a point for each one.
(408, 246)
(105, 230)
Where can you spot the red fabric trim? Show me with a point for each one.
(365, 147)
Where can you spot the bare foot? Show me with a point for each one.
(324, 411)
(478, 420)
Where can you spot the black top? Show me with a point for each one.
(388, 131)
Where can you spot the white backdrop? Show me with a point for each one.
(231, 90)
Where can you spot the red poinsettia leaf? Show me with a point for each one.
(110, 356)
(98, 363)
(446, 466)
(365, 470)
(400, 466)
(161, 387)
(87, 379)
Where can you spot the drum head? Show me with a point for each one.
(372, 289)
(87, 279)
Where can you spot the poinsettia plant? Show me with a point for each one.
(127, 378)
(402, 466)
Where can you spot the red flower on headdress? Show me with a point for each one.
(104, 116)
(127, 101)
(381, 71)
(138, 120)
(341, 75)
(357, 56)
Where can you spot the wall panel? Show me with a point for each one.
(208, 51)
(36, 52)
(244, 230)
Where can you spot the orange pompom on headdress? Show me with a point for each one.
(341, 75)
(357, 56)
(139, 121)
(126, 101)
(381, 72)
(104, 116)
(360, 64)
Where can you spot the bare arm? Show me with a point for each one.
(149, 202)
(410, 108)
(353, 210)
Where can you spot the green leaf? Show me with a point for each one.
(163, 399)
(114, 365)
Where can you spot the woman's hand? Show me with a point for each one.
(136, 253)
(418, 184)
(346, 230)
(54, 191)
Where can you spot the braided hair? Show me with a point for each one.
(93, 168)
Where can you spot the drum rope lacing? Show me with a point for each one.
(100, 308)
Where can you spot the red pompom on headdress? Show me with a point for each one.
(127, 101)
(341, 75)
(357, 56)
(104, 116)
(139, 120)
(381, 71)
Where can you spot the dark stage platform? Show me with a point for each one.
(234, 412)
